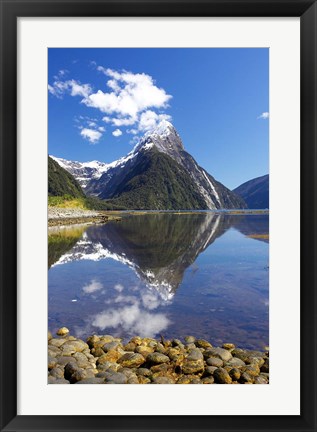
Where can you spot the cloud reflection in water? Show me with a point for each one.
(134, 317)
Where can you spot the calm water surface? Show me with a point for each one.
(163, 274)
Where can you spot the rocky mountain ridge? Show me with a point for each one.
(157, 174)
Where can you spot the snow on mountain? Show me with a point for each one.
(83, 171)
(106, 180)
(90, 251)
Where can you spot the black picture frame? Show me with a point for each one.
(10, 11)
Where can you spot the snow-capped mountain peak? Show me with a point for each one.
(86, 171)
(111, 180)
(164, 129)
(165, 138)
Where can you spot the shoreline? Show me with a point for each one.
(59, 216)
(105, 359)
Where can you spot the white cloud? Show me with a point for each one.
(124, 121)
(51, 89)
(113, 84)
(78, 89)
(131, 101)
(89, 128)
(119, 287)
(149, 120)
(134, 140)
(150, 300)
(117, 133)
(73, 87)
(132, 319)
(92, 287)
(63, 72)
(131, 94)
(132, 131)
(264, 116)
(91, 135)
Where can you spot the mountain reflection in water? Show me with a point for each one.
(163, 273)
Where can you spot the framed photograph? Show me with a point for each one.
(158, 215)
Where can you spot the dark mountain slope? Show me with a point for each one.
(61, 182)
(255, 192)
(156, 181)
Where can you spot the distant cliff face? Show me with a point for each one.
(255, 192)
(157, 174)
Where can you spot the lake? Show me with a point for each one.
(203, 274)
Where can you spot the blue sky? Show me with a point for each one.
(101, 100)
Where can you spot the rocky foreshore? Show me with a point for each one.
(107, 360)
(70, 216)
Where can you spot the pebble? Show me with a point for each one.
(53, 351)
(115, 378)
(202, 343)
(260, 380)
(91, 381)
(51, 362)
(81, 374)
(103, 359)
(191, 345)
(62, 331)
(70, 368)
(236, 362)
(195, 381)
(56, 342)
(208, 380)
(81, 359)
(246, 378)
(195, 354)
(210, 369)
(189, 339)
(252, 369)
(143, 380)
(157, 358)
(110, 346)
(163, 380)
(221, 376)
(265, 367)
(183, 380)
(235, 374)
(62, 361)
(214, 361)
(143, 372)
(131, 360)
(111, 356)
(228, 346)
(177, 342)
(192, 366)
(59, 381)
(222, 353)
(57, 372)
